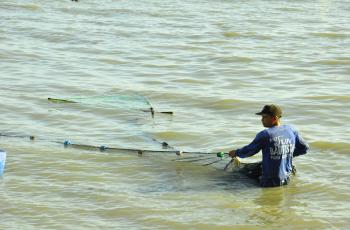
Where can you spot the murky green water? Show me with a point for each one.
(212, 63)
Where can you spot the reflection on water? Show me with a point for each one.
(272, 206)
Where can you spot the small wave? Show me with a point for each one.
(175, 136)
(19, 55)
(190, 81)
(112, 61)
(121, 11)
(331, 35)
(226, 104)
(339, 147)
(338, 61)
(57, 37)
(258, 36)
(32, 7)
(290, 9)
(343, 98)
(231, 34)
(235, 59)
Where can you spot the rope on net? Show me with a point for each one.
(103, 148)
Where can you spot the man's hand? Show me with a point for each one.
(232, 153)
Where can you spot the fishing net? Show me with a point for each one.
(132, 101)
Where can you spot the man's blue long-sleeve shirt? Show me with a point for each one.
(278, 144)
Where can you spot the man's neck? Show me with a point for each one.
(276, 124)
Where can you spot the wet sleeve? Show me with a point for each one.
(254, 147)
(301, 147)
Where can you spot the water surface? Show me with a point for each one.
(214, 64)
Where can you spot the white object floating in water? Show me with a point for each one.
(2, 161)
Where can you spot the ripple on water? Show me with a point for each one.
(29, 7)
(231, 34)
(331, 35)
(338, 147)
(334, 62)
(340, 98)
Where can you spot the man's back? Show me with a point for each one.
(277, 154)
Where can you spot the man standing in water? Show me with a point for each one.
(279, 144)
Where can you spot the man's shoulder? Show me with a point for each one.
(278, 130)
(263, 134)
(290, 127)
